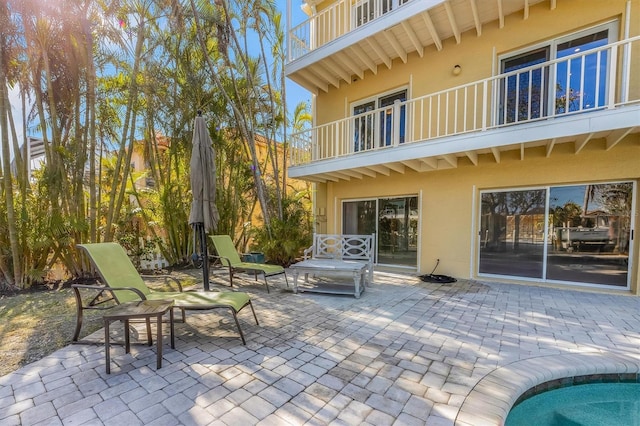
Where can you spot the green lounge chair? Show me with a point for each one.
(230, 258)
(125, 284)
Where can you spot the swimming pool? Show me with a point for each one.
(591, 404)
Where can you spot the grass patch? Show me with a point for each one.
(37, 323)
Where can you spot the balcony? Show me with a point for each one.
(351, 37)
(575, 99)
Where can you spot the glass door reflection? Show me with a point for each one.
(590, 233)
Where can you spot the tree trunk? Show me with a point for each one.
(6, 167)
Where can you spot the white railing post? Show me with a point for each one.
(626, 70)
(485, 101)
(611, 75)
(315, 141)
(395, 128)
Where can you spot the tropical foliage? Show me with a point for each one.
(101, 80)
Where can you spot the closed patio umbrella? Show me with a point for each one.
(204, 214)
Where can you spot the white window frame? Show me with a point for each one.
(376, 100)
(552, 44)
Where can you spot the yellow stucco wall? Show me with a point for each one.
(478, 55)
(449, 199)
(449, 205)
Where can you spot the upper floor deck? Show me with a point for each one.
(576, 98)
(342, 40)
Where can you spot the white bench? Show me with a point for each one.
(344, 247)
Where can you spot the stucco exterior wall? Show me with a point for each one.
(449, 199)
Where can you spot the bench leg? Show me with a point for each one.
(295, 280)
(357, 277)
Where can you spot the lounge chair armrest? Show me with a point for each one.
(224, 260)
(102, 289)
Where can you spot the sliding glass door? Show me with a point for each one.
(572, 234)
(591, 231)
(395, 222)
(512, 231)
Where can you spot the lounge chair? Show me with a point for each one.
(125, 284)
(229, 258)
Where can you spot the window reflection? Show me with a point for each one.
(586, 237)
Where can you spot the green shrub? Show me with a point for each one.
(289, 235)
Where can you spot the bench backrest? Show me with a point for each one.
(343, 247)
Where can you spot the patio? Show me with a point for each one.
(406, 352)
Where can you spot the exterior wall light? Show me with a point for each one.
(457, 69)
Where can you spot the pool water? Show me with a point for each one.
(594, 404)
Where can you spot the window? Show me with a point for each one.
(532, 89)
(380, 121)
(367, 10)
(569, 234)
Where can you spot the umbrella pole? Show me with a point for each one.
(205, 255)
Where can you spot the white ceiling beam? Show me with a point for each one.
(326, 74)
(305, 82)
(414, 165)
(452, 21)
(451, 159)
(430, 162)
(581, 142)
(365, 171)
(351, 173)
(315, 80)
(616, 136)
(327, 176)
(331, 64)
(500, 13)
(314, 178)
(380, 169)
(414, 38)
(496, 154)
(355, 69)
(476, 17)
(432, 29)
(362, 55)
(396, 167)
(402, 54)
(341, 175)
(376, 48)
(550, 146)
(472, 156)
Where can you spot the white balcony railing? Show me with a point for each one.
(335, 21)
(587, 81)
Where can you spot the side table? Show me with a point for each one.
(144, 309)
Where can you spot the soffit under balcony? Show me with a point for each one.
(601, 131)
(416, 26)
